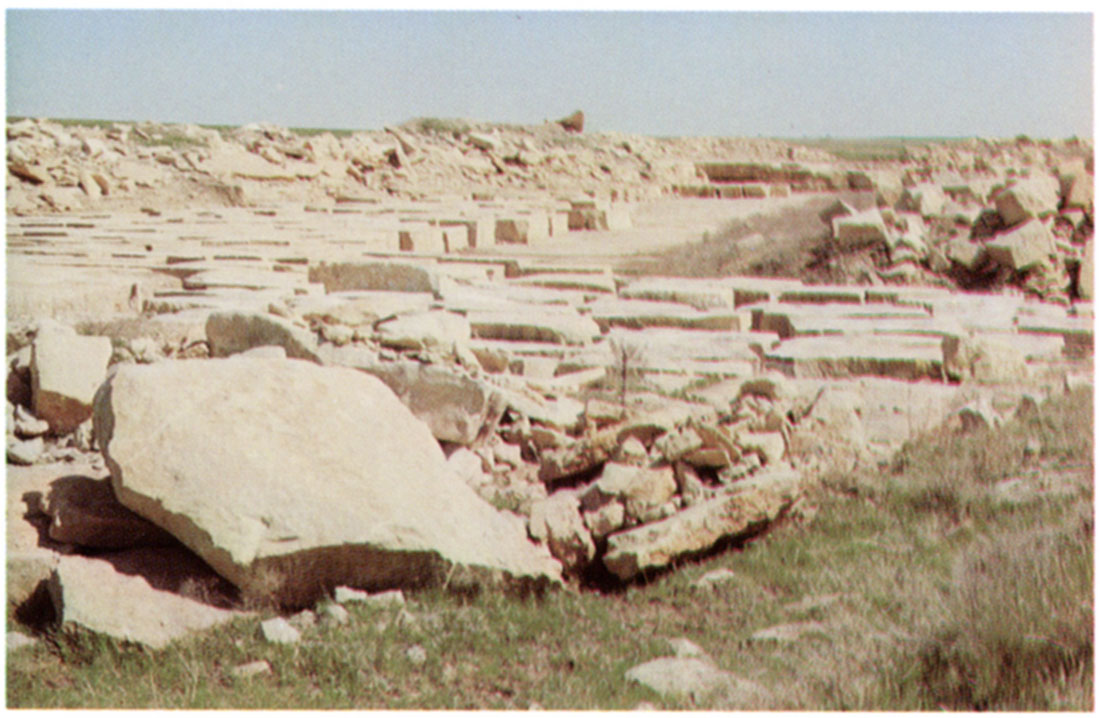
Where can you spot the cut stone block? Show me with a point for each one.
(702, 294)
(531, 230)
(864, 229)
(588, 282)
(428, 330)
(747, 505)
(533, 325)
(1022, 248)
(848, 356)
(642, 314)
(66, 371)
(430, 240)
(379, 276)
(230, 333)
(1028, 198)
(232, 473)
(454, 406)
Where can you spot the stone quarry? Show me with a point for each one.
(258, 367)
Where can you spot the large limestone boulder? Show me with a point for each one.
(66, 370)
(235, 332)
(290, 479)
(454, 406)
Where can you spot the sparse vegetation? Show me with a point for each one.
(777, 244)
(314, 131)
(872, 149)
(966, 604)
(439, 125)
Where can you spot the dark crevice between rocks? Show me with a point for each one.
(575, 480)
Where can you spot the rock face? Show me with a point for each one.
(84, 511)
(696, 678)
(573, 123)
(234, 332)
(1025, 247)
(556, 521)
(378, 276)
(454, 406)
(66, 370)
(91, 594)
(427, 330)
(748, 503)
(291, 479)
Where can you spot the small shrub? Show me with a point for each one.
(439, 125)
(1019, 619)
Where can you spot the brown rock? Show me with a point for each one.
(34, 175)
(85, 512)
(574, 122)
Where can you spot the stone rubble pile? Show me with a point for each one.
(292, 403)
(59, 167)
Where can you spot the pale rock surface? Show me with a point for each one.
(1023, 247)
(534, 324)
(334, 613)
(770, 445)
(429, 330)
(453, 405)
(229, 473)
(66, 370)
(788, 632)
(17, 641)
(556, 521)
(697, 679)
(25, 453)
(686, 648)
(248, 670)
(27, 426)
(605, 519)
(986, 358)
(640, 490)
(280, 630)
(752, 501)
(234, 332)
(91, 594)
(265, 352)
(1031, 197)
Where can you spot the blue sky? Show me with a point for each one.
(658, 73)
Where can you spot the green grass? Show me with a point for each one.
(964, 602)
